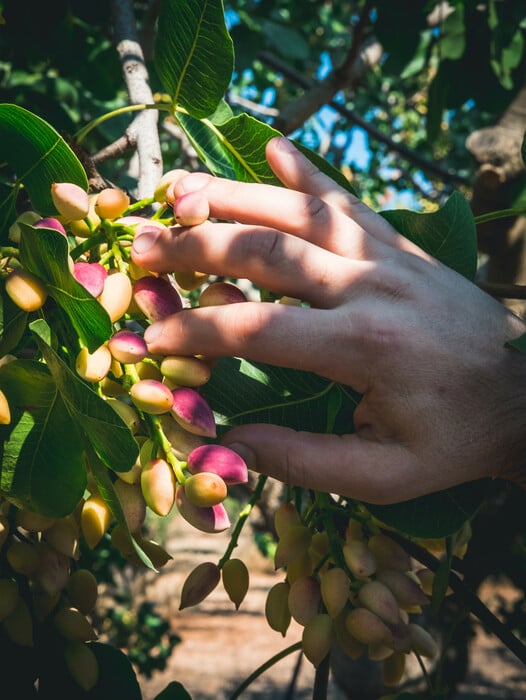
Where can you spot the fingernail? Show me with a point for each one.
(145, 240)
(246, 454)
(153, 333)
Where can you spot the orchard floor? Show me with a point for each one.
(220, 647)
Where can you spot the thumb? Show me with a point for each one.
(347, 465)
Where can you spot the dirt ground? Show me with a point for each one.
(220, 647)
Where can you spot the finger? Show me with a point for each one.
(270, 259)
(347, 465)
(297, 213)
(297, 172)
(277, 334)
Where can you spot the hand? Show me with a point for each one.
(441, 394)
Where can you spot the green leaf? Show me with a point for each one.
(325, 167)
(267, 394)
(174, 691)
(13, 322)
(194, 54)
(104, 429)
(438, 95)
(42, 466)
(117, 678)
(453, 41)
(234, 149)
(518, 343)
(38, 155)
(287, 41)
(44, 252)
(436, 515)
(448, 234)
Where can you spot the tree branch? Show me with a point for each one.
(143, 130)
(352, 116)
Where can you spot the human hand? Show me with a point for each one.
(441, 394)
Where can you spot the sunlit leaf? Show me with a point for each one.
(38, 155)
(108, 434)
(45, 253)
(42, 468)
(194, 55)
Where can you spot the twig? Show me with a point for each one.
(504, 291)
(471, 601)
(264, 667)
(143, 130)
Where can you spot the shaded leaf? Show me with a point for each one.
(117, 678)
(44, 252)
(174, 691)
(38, 155)
(42, 466)
(104, 429)
(448, 234)
(194, 54)
(518, 343)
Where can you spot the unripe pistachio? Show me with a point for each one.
(133, 475)
(406, 591)
(185, 371)
(82, 590)
(359, 558)
(158, 486)
(128, 413)
(148, 370)
(170, 177)
(25, 289)
(393, 668)
(205, 489)
(422, 643)
(95, 519)
(53, 570)
(302, 566)
(304, 599)
(73, 624)
(190, 280)
(354, 530)
(52, 223)
(156, 553)
(378, 598)
(91, 275)
(292, 544)
(219, 460)
(192, 412)
(5, 411)
(18, 626)
(79, 228)
(156, 297)
(349, 644)
(111, 203)
(27, 217)
(82, 664)
(199, 584)
(220, 293)
(182, 442)
(93, 367)
(277, 611)
(285, 517)
(316, 638)
(121, 540)
(128, 347)
(319, 547)
(8, 597)
(132, 503)
(151, 396)
(388, 553)
(116, 295)
(191, 209)
(71, 201)
(401, 637)
(63, 536)
(378, 652)
(32, 522)
(4, 530)
(367, 627)
(235, 577)
(211, 519)
(334, 585)
(426, 578)
(23, 557)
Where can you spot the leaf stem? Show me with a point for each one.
(264, 667)
(82, 133)
(500, 214)
(242, 519)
